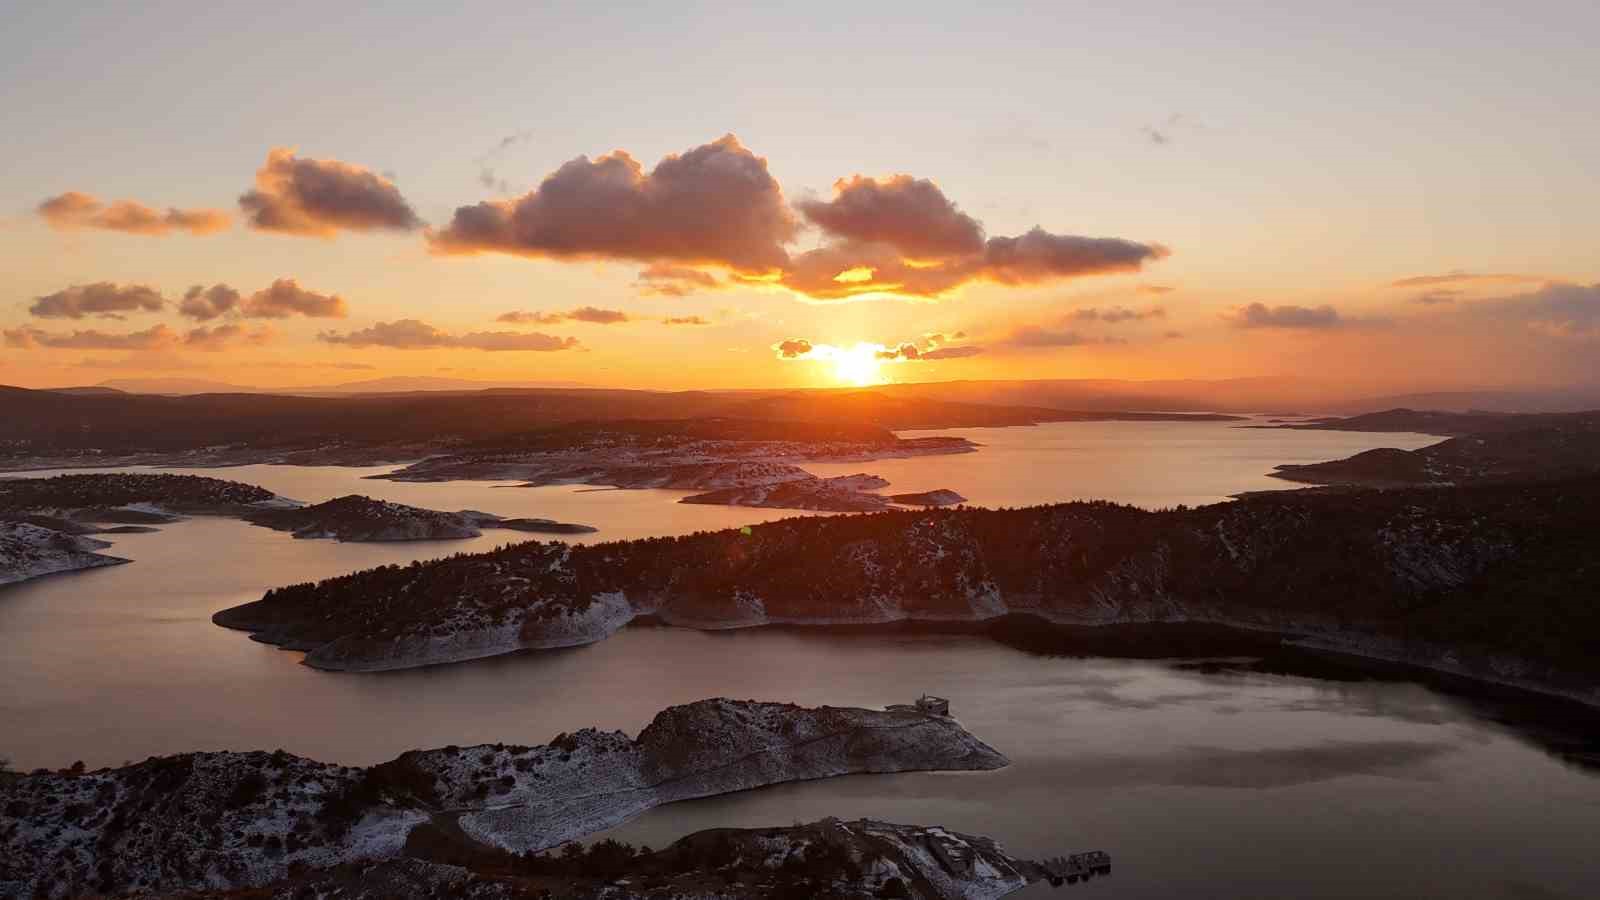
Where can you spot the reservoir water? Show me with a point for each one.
(1231, 778)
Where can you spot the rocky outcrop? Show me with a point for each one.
(234, 820)
(31, 551)
(1498, 574)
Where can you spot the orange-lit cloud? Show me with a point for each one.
(662, 279)
(1155, 289)
(411, 334)
(204, 304)
(591, 314)
(713, 205)
(1462, 278)
(1259, 315)
(1112, 315)
(905, 351)
(321, 197)
(910, 214)
(103, 299)
(1040, 337)
(685, 320)
(902, 236)
(287, 298)
(75, 209)
(157, 337)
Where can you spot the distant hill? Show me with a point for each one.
(392, 384)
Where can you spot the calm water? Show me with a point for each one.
(1217, 781)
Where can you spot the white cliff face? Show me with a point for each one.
(30, 551)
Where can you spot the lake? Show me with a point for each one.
(1235, 778)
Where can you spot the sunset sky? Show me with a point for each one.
(704, 195)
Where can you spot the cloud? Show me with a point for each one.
(287, 298)
(793, 348)
(592, 315)
(75, 209)
(1155, 135)
(906, 351)
(1259, 315)
(1037, 336)
(1435, 298)
(713, 205)
(486, 173)
(662, 279)
(902, 236)
(102, 298)
(1459, 277)
(1154, 289)
(321, 197)
(411, 334)
(909, 214)
(157, 337)
(1114, 314)
(228, 336)
(685, 320)
(951, 352)
(204, 304)
(1563, 311)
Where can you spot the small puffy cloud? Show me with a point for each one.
(904, 351)
(75, 209)
(713, 205)
(154, 338)
(793, 348)
(226, 337)
(662, 279)
(590, 314)
(1041, 256)
(103, 299)
(909, 214)
(1565, 311)
(1114, 314)
(1459, 277)
(685, 320)
(203, 303)
(321, 197)
(287, 298)
(1260, 315)
(412, 334)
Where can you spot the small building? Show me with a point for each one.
(933, 706)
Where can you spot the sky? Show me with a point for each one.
(702, 195)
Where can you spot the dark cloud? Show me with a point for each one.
(75, 209)
(713, 205)
(228, 336)
(1114, 314)
(153, 338)
(793, 348)
(909, 214)
(1033, 336)
(592, 315)
(411, 334)
(103, 299)
(1259, 315)
(904, 351)
(206, 303)
(287, 298)
(321, 197)
(685, 320)
(951, 352)
(1567, 311)
(1041, 256)
(1459, 277)
(666, 280)
(487, 176)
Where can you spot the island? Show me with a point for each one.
(243, 820)
(29, 551)
(359, 518)
(1490, 580)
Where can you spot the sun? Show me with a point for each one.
(859, 366)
